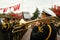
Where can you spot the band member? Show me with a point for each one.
(1, 35)
(53, 28)
(12, 23)
(45, 31)
(5, 28)
(5, 24)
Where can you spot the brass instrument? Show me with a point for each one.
(5, 26)
(43, 21)
(19, 28)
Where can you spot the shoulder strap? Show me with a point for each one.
(50, 30)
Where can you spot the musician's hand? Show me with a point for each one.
(37, 23)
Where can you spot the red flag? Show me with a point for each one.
(55, 10)
(58, 10)
(5, 10)
(16, 7)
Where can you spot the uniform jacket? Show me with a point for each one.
(37, 35)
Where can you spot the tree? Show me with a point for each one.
(35, 14)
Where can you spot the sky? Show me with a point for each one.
(29, 5)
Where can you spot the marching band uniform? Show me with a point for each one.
(5, 29)
(1, 35)
(12, 23)
(44, 32)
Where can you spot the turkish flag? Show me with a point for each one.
(5, 10)
(16, 7)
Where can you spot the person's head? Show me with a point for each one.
(47, 20)
(6, 19)
(12, 20)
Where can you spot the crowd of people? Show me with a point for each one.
(44, 29)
